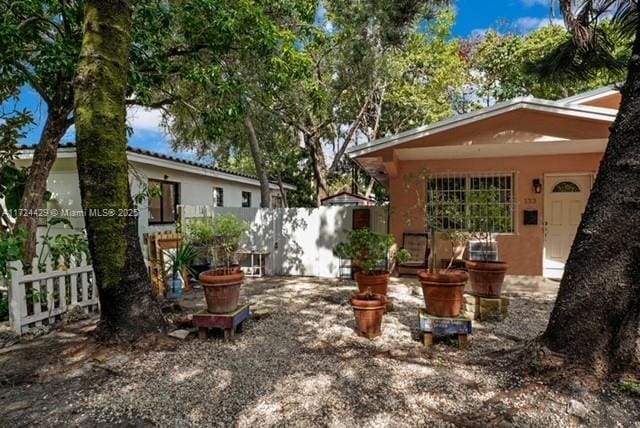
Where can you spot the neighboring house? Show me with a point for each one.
(182, 182)
(345, 198)
(541, 155)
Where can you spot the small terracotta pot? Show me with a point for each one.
(221, 289)
(443, 291)
(377, 282)
(368, 312)
(486, 278)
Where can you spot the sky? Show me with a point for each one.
(473, 18)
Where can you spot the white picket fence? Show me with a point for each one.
(43, 297)
(299, 241)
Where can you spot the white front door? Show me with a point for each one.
(565, 198)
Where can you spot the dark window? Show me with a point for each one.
(246, 199)
(163, 208)
(457, 199)
(218, 196)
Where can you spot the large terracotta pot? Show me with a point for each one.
(486, 278)
(368, 309)
(377, 282)
(443, 292)
(221, 289)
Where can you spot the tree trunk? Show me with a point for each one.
(319, 164)
(44, 156)
(265, 192)
(128, 307)
(596, 318)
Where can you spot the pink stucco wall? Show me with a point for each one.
(522, 250)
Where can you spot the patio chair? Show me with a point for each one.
(417, 243)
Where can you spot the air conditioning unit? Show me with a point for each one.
(483, 250)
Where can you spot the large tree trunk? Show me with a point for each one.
(128, 307)
(596, 319)
(319, 165)
(44, 156)
(265, 193)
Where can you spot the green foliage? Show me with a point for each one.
(12, 129)
(60, 248)
(182, 258)
(227, 233)
(507, 64)
(200, 231)
(368, 249)
(10, 249)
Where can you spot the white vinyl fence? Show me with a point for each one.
(44, 296)
(300, 241)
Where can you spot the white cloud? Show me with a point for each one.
(526, 24)
(143, 119)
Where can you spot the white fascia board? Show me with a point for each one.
(70, 153)
(585, 97)
(63, 153)
(529, 103)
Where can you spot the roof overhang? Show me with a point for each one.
(532, 104)
(147, 159)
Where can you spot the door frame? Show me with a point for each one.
(546, 193)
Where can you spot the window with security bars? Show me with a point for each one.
(477, 202)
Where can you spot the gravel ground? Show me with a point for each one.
(299, 363)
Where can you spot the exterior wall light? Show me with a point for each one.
(537, 185)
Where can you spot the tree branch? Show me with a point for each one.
(350, 134)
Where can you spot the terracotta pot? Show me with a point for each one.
(486, 278)
(368, 310)
(443, 291)
(221, 289)
(377, 282)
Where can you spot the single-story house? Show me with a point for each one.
(345, 198)
(182, 182)
(542, 156)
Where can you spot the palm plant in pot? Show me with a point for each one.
(488, 215)
(180, 262)
(369, 251)
(443, 289)
(222, 283)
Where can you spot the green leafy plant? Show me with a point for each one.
(181, 259)
(200, 231)
(10, 249)
(63, 246)
(369, 250)
(227, 233)
(487, 215)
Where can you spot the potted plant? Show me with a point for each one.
(180, 261)
(487, 216)
(442, 289)
(368, 251)
(368, 309)
(222, 283)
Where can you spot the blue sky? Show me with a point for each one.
(473, 17)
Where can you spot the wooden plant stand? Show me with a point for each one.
(484, 308)
(434, 327)
(229, 322)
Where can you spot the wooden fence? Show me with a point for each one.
(42, 297)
